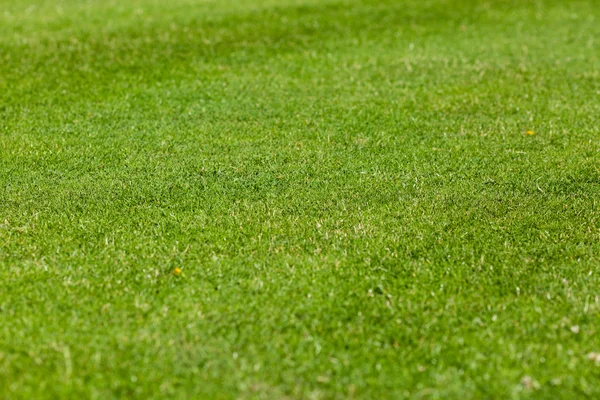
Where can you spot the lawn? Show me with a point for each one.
(302, 199)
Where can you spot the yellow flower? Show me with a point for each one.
(177, 271)
(529, 132)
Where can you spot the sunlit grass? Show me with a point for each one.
(301, 199)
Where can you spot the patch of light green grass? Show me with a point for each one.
(347, 188)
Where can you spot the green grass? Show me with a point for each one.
(346, 186)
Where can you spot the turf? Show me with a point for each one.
(299, 199)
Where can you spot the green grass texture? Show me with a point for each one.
(299, 199)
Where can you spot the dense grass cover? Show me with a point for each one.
(299, 198)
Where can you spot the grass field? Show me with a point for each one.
(299, 199)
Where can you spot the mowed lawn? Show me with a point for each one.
(299, 199)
